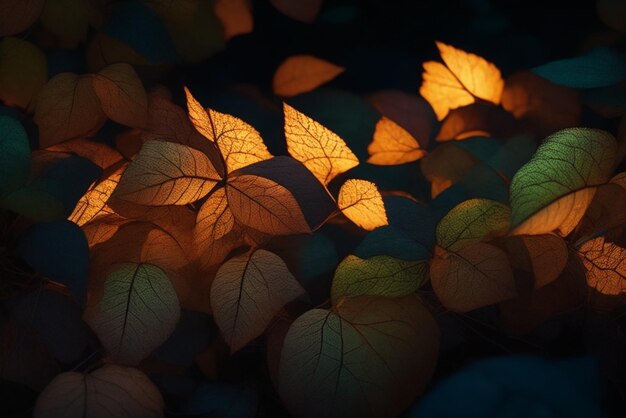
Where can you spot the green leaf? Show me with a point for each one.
(14, 155)
(553, 190)
(135, 312)
(369, 357)
(598, 68)
(472, 221)
(380, 275)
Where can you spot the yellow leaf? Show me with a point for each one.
(93, 204)
(67, 107)
(476, 275)
(239, 143)
(121, 94)
(23, 72)
(214, 219)
(18, 15)
(263, 204)
(464, 78)
(322, 151)
(393, 145)
(236, 17)
(605, 263)
(166, 173)
(301, 73)
(248, 291)
(362, 203)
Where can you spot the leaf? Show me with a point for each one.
(121, 95)
(543, 255)
(248, 291)
(100, 154)
(302, 73)
(394, 242)
(598, 68)
(605, 263)
(303, 10)
(239, 143)
(464, 78)
(370, 357)
(265, 205)
(112, 390)
(477, 119)
(476, 275)
(23, 72)
(612, 13)
(553, 190)
(322, 151)
(17, 15)
(93, 204)
(137, 310)
(236, 17)
(14, 154)
(392, 145)
(377, 276)
(472, 221)
(214, 219)
(67, 107)
(362, 203)
(605, 212)
(67, 20)
(446, 165)
(166, 173)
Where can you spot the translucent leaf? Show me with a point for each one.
(605, 263)
(322, 151)
(303, 10)
(121, 94)
(239, 143)
(93, 204)
(464, 78)
(369, 357)
(14, 154)
(247, 292)
(100, 154)
(476, 275)
(362, 203)
(473, 221)
(18, 15)
(392, 145)
(543, 255)
(67, 107)
(137, 310)
(477, 119)
(236, 17)
(214, 219)
(379, 275)
(553, 190)
(112, 391)
(265, 205)
(166, 173)
(301, 73)
(23, 71)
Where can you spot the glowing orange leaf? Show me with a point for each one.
(301, 73)
(321, 150)
(94, 202)
(464, 78)
(605, 263)
(100, 154)
(362, 203)
(236, 17)
(393, 145)
(214, 219)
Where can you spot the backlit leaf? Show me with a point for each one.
(301, 73)
(18, 15)
(93, 204)
(464, 78)
(137, 310)
(247, 292)
(236, 17)
(362, 203)
(393, 145)
(322, 151)
(543, 255)
(166, 173)
(67, 107)
(100, 154)
(477, 119)
(472, 221)
(23, 72)
(214, 219)
(379, 275)
(553, 190)
(112, 390)
(476, 275)
(265, 205)
(121, 94)
(239, 143)
(369, 357)
(14, 154)
(605, 263)
(303, 10)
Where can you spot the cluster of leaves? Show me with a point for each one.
(184, 241)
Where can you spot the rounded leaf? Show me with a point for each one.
(362, 203)
(301, 73)
(23, 71)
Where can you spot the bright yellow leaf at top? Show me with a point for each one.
(239, 143)
(464, 78)
(362, 203)
(393, 145)
(321, 150)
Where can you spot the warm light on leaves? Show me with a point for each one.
(605, 263)
(393, 145)
(100, 154)
(247, 292)
(236, 17)
(94, 203)
(301, 73)
(543, 255)
(362, 203)
(463, 79)
(322, 151)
